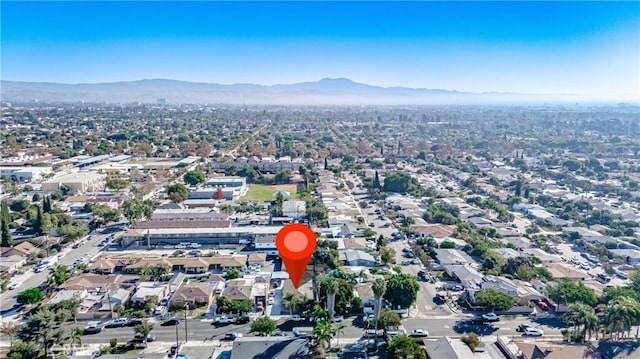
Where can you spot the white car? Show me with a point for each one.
(338, 318)
(15, 285)
(491, 317)
(270, 301)
(533, 332)
(419, 333)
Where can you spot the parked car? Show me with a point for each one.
(542, 305)
(296, 318)
(533, 332)
(138, 338)
(457, 287)
(232, 336)
(15, 285)
(522, 327)
(135, 321)
(243, 319)
(223, 319)
(419, 333)
(338, 318)
(92, 329)
(170, 322)
(491, 317)
(117, 323)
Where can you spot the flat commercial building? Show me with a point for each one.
(202, 236)
(80, 182)
(24, 174)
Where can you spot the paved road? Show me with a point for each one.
(31, 279)
(424, 303)
(436, 326)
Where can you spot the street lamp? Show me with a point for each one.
(186, 309)
(177, 342)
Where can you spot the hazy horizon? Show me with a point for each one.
(587, 49)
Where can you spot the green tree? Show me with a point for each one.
(232, 274)
(241, 306)
(74, 231)
(403, 347)
(58, 275)
(144, 330)
(5, 219)
(376, 181)
(583, 318)
(117, 184)
(402, 290)
(292, 301)
(494, 300)
(41, 327)
(75, 337)
(322, 334)
(387, 319)
(46, 204)
(263, 326)
(379, 288)
(24, 350)
(566, 291)
(30, 296)
(194, 178)
(177, 192)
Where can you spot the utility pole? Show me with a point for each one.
(186, 309)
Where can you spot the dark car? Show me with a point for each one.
(170, 322)
(243, 319)
(93, 329)
(138, 338)
(135, 321)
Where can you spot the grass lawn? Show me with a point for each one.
(260, 192)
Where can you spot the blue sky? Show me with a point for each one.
(585, 48)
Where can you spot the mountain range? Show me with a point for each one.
(338, 91)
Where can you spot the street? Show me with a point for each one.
(31, 279)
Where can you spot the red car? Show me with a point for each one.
(542, 305)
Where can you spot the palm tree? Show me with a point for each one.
(332, 289)
(145, 272)
(322, 335)
(319, 314)
(620, 315)
(75, 336)
(581, 315)
(291, 301)
(143, 329)
(379, 287)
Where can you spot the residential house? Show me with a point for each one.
(501, 284)
(12, 263)
(448, 256)
(23, 249)
(527, 350)
(355, 244)
(257, 259)
(449, 348)
(467, 275)
(149, 292)
(357, 258)
(562, 270)
(630, 256)
(545, 257)
(434, 230)
(294, 209)
(364, 291)
(194, 294)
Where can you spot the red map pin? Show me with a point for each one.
(296, 243)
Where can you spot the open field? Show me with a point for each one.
(259, 192)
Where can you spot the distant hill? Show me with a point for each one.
(338, 91)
